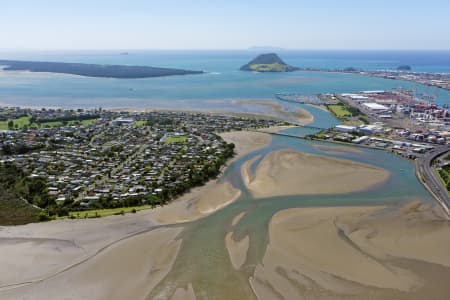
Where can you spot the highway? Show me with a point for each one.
(430, 179)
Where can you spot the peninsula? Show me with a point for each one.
(269, 62)
(92, 70)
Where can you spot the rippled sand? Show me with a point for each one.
(355, 253)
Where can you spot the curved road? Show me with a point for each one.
(430, 180)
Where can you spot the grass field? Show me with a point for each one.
(20, 121)
(340, 111)
(140, 123)
(106, 212)
(175, 139)
(444, 176)
(25, 121)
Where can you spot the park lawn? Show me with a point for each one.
(22, 121)
(175, 139)
(140, 123)
(340, 111)
(106, 212)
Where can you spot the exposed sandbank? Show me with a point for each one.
(287, 172)
(238, 218)
(355, 253)
(246, 141)
(129, 269)
(196, 204)
(40, 249)
(237, 250)
(300, 115)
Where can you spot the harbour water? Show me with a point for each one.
(216, 89)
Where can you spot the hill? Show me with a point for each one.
(269, 62)
(93, 70)
(15, 187)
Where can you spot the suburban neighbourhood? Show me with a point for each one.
(104, 159)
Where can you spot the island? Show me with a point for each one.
(93, 70)
(269, 62)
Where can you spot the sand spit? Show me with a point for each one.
(287, 172)
(196, 204)
(237, 249)
(129, 269)
(355, 253)
(247, 175)
(300, 115)
(246, 141)
(238, 218)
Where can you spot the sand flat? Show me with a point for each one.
(126, 270)
(420, 233)
(38, 250)
(246, 141)
(237, 250)
(196, 204)
(288, 172)
(300, 115)
(324, 253)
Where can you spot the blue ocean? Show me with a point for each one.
(216, 89)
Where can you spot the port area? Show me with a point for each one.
(396, 121)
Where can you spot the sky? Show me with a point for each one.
(224, 24)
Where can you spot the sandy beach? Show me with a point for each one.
(355, 253)
(287, 172)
